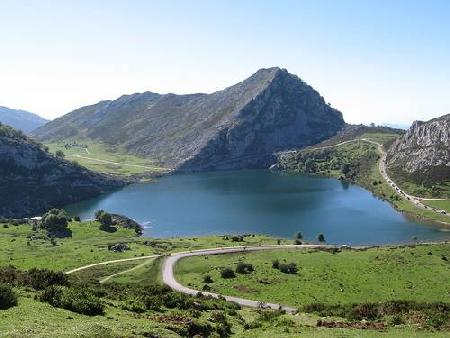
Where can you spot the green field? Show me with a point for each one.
(441, 205)
(107, 159)
(123, 313)
(374, 275)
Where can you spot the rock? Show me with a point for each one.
(423, 153)
(33, 181)
(241, 126)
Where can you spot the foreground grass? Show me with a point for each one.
(33, 318)
(380, 274)
(125, 164)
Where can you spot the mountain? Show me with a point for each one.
(33, 180)
(21, 119)
(422, 154)
(238, 127)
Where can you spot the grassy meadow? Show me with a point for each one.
(107, 159)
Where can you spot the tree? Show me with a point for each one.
(55, 220)
(59, 154)
(299, 235)
(321, 238)
(345, 168)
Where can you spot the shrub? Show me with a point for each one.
(244, 267)
(321, 238)
(77, 219)
(59, 153)
(73, 299)
(299, 235)
(237, 238)
(8, 298)
(290, 268)
(55, 220)
(207, 279)
(40, 279)
(298, 242)
(276, 264)
(227, 273)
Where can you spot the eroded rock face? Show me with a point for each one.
(423, 150)
(33, 181)
(238, 127)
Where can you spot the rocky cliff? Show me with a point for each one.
(423, 152)
(32, 180)
(238, 127)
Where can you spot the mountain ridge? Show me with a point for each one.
(265, 113)
(21, 119)
(34, 181)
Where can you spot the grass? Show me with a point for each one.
(32, 318)
(89, 245)
(125, 164)
(441, 205)
(374, 275)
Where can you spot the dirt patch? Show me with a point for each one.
(351, 325)
(244, 288)
(177, 320)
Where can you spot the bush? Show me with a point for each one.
(290, 268)
(244, 268)
(8, 298)
(276, 264)
(299, 235)
(73, 299)
(227, 273)
(298, 242)
(237, 238)
(321, 238)
(40, 279)
(77, 219)
(207, 279)
(105, 220)
(55, 220)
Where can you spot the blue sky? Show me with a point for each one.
(377, 61)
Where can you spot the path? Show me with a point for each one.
(126, 271)
(170, 262)
(110, 262)
(382, 168)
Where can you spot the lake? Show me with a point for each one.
(260, 202)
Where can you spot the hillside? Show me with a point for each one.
(32, 180)
(21, 119)
(422, 154)
(238, 127)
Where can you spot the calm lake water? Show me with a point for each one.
(259, 201)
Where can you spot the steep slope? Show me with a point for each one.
(423, 153)
(239, 127)
(21, 119)
(32, 180)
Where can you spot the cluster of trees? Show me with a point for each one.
(55, 221)
(105, 219)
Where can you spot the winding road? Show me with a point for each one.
(170, 262)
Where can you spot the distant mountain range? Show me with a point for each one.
(241, 126)
(32, 180)
(422, 154)
(21, 119)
